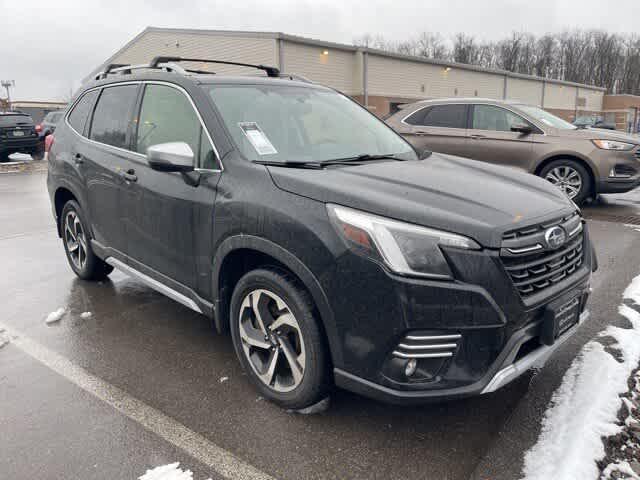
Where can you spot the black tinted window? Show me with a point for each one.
(450, 116)
(11, 120)
(112, 113)
(80, 113)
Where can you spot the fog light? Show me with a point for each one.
(410, 367)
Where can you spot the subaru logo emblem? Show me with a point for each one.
(555, 237)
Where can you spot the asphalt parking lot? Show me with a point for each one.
(142, 381)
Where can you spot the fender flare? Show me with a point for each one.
(65, 184)
(296, 266)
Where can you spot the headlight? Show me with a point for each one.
(613, 145)
(405, 248)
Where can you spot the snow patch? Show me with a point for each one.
(86, 315)
(223, 379)
(168, 472)
(585, 406)
(620, 467)
(55, 316)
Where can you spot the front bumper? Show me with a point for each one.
(492, 334)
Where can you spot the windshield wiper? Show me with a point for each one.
(365, 157)
(270, 163)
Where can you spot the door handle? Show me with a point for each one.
(129, 175)
(420, 133)
(78, 159)
(475, 136)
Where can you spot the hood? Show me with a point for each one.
(599, 133)
(457, 195)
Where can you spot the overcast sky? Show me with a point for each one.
(47, 47)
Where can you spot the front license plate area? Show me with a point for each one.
(560, 317)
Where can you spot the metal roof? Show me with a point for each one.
(341, 46)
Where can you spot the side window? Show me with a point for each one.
(166, 116)
(80, 113)
(112, 114)
(489, 117)
(417, 117)
(448, 116)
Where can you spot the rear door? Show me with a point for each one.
(105, 160)
(439, 128)
(491, 139)
(169, 224)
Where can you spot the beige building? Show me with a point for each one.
(379, 80)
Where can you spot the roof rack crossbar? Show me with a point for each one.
(271, 71)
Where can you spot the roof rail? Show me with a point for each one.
(271, 71)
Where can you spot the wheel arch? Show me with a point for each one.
(61, 196)
(576, 158)
(239, 254)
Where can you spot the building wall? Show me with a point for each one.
(559, 97)
(201, 45)
(337, 68)
(528, 91)
(394, 77)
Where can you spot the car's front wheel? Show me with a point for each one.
(77, 245)
(569, 176)
(277, 338)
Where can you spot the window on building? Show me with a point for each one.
(112, 114)
(80, 113)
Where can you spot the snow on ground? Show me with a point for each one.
(168, 472)
(86, 315)
(585, 406)
(55, 316)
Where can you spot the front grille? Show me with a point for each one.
(417, 345)
(532, 265)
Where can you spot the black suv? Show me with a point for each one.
(18, 135)
(332, 251)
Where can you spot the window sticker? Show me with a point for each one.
(257, 138)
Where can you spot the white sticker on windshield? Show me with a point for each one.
(257, 138)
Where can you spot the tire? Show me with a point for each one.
(566, 174)
(276, 294)
(38, 153)
(75, 238)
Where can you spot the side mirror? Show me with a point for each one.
(171, 157)
(424, 154)
(522, 128)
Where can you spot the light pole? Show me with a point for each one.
(7, 84)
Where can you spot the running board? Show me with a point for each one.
(156, 285)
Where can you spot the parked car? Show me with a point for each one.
(328, 246)
(48, 124)
(581, 162)
(18, 135)
(590, 122)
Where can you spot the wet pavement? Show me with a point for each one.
(170, 360)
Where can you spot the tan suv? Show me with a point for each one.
(582, 162)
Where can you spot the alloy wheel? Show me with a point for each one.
(566, 179)
(272, 340)
(75, 240)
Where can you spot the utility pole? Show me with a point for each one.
(7, 84)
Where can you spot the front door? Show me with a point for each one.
(169, 226)
(491, 139)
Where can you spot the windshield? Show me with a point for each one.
(297, 124)
(15, 119)
(546, 118)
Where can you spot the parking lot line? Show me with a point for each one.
(221, 461)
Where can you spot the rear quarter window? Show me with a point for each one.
(80, 113)
(447, 116)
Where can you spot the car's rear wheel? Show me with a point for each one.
(277, 338)
(569, 176)
(75, 237)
